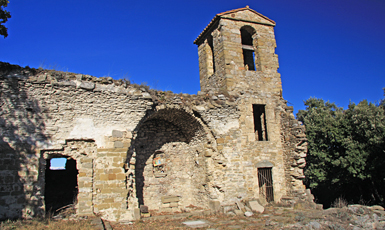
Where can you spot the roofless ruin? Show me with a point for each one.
(129, 147)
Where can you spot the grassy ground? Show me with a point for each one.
(45, 224)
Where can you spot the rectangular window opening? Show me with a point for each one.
(265, 182)
(58, 163)
(260, 127)
(248, 59)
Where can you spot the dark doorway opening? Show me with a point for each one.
(61, 186)
(260, 122)
(265, 180)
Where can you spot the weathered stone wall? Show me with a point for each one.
(286, 148)
(240, 147)
(207, 142)
(295, 151)
(182, 165)
(134, 146)
(56, 110)
(231, 74)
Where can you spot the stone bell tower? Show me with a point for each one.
(237, 58)
(237, 53)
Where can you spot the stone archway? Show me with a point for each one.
(170, 167)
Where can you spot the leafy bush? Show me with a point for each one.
(346, 154)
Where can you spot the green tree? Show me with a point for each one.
(4, 16)
(382, 102)
(346, 151)
(365, 137)
(322, 121)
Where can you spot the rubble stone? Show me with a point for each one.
(256, 207)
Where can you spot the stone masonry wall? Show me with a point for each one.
(284, 151)
(181, 165)
(295, 151)
(260, 87)
(134, 146)
(231, 74)
(84, 152)
(209, 156)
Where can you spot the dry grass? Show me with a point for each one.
(339, 203)
(46, 224)
(272, 218)
(218, 221)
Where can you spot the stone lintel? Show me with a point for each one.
(264, 164)
(169, 199)
(114, 150)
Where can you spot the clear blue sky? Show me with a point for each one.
(330, 49)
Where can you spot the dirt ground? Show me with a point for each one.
(353, 217)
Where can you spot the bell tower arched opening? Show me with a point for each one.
(248, 52)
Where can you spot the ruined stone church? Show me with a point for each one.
(127, 146)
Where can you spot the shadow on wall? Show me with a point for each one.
(21, 128)
(169, 135)
(151, 137)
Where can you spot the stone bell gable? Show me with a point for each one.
(131, 150)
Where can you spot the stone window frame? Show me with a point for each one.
(247, 120)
